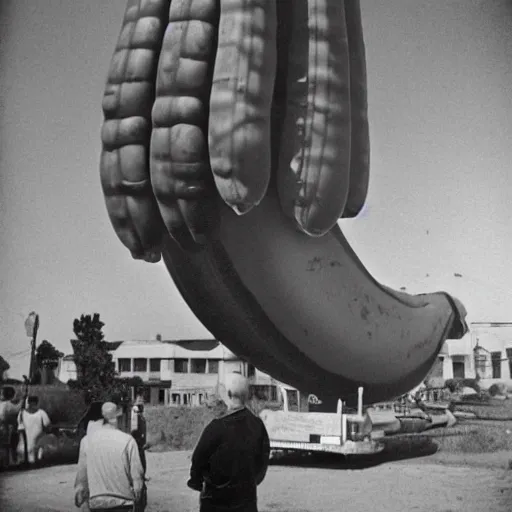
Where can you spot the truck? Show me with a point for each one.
(337, 432)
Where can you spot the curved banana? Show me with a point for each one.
(306, 310)
(302, 308)
(126, 131)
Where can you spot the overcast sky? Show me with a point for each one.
(440, 75)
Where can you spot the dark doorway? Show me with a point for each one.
(458, 370)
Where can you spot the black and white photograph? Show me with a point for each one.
(254, 255)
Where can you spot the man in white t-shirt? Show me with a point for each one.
(35, 422)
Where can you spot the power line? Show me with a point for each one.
(17, 354)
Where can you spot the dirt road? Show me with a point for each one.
(420, 485)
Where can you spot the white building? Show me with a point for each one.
(486, 350)
(66, 369)
(492, 348)
(180, 372)
(456, 359)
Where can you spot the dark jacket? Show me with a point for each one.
(231, 459)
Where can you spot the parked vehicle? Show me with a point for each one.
(346, 434)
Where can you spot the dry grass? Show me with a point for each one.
(474, 437)
(179, 428)
(493, 409)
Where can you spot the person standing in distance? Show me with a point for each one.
(9, 424)
(232, 454)
(139, 429)
(36, 422)
(110, 475)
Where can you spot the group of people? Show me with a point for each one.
(20, 428)
(228, 463)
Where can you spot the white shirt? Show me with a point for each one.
(109, 467)
(34, 423)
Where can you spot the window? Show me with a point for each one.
(185, 399)
(273, 393)
(496, 365)
(213, 366)
(154, 365)
(181, 365)
(509, 357)
(124, 365)
(176, 398)
(459, 369)
(198, 366)
(293, 399)
(161, 396)
(140, 365)
(251, 371)
(200, 398)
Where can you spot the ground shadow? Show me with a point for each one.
(396, 448)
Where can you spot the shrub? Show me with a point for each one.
(178, 428)
(64, 406)
(458, 383)
(498, 388)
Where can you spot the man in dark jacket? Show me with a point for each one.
(231, 456)
(139, 429)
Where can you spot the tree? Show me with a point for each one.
(47, 359)
(94, 366)
(47, 354)
(4, 366)
(96, 374)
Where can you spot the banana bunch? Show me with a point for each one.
(235, 136)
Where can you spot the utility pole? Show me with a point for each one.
(32, 326)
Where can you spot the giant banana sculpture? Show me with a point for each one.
(235, 137)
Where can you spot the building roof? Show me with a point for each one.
(112, 345)
(200, 344)
(128, 343)
(189, 344)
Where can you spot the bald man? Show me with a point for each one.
(231, 456)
